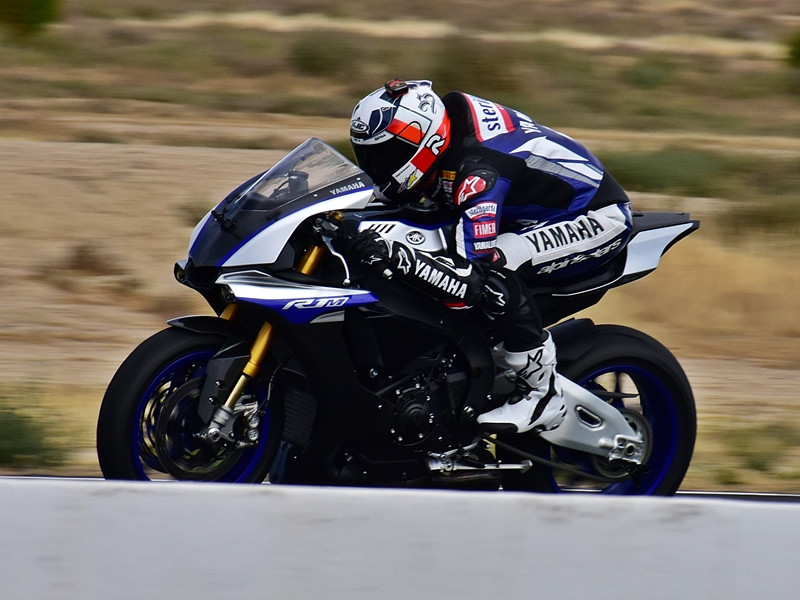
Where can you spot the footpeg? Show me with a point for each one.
(458, 460)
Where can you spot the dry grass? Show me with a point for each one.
(705, 294)
(127, 209)
(117, 124)
(715, 17)
(688, 66)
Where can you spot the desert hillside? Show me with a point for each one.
(123, 122)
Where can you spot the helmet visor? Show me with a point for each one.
(381, 161)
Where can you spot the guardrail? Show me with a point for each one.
(106, 540)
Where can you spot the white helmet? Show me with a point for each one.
(398, 132)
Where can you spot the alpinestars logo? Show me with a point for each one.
(578, 258)
(534, 366)
(494, 297)
(403, 260)
(472, 186)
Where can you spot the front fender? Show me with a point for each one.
(225, 367)
(212, 325)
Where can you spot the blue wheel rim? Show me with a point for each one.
(166, 382)
(658, 406)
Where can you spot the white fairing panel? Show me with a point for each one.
(414, 236)
(254, 285)
(198, 228)
(266, 246)
(646, 248)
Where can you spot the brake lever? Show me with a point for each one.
(326, 239)
(325, 229)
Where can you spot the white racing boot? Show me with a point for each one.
(538, 402)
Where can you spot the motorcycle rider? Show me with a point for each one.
(529, 203)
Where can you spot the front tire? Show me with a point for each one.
(639, 376)
(163, 377)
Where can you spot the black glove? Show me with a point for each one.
(365, 247)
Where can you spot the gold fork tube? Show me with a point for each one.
(257, 354)
(310, 260)
(307, 265)
(229, 312)
(259, 350)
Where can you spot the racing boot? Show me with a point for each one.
(538, 402)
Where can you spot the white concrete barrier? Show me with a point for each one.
(96, 540)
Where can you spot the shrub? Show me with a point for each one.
(320, 55)
(649, 73)
(673, 170)
(472, 65)
(26, 17)
(762, 447)
(794, 50)
(23, 443)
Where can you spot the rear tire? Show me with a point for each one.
(654, 386)
(172, 362)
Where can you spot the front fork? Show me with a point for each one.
(307, 265)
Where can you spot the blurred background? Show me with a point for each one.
(122, 123)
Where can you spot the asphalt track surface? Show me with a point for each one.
(695, 494)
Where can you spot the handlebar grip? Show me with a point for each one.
(379, 262)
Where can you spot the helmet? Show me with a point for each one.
(398, 132)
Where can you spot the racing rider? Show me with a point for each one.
(529, 203)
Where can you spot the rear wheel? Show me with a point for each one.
(148, 424)
(642, 379)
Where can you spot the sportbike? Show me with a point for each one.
(316, 371)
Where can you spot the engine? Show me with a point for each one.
(425, 407)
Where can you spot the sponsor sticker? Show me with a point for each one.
(490, 119)
(485, 245)
(485, 230)
(484, 208)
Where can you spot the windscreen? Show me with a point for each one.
(310, 167)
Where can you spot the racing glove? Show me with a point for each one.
(365, 247)
(453, 280)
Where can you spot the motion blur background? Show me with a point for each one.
(122, 123)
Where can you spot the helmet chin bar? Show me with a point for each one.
(391, 193)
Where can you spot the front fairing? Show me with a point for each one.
(313, 178)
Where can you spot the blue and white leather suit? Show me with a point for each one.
(531, 204)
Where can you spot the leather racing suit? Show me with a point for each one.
(531, 204)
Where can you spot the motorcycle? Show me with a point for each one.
(316, 371)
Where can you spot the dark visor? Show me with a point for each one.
(381, 161)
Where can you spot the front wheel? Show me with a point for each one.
(148, 424)
(641, 378)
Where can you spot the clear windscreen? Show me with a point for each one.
(310, 167)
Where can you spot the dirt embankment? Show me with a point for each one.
(90, 233)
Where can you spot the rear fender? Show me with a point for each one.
(574, 338)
